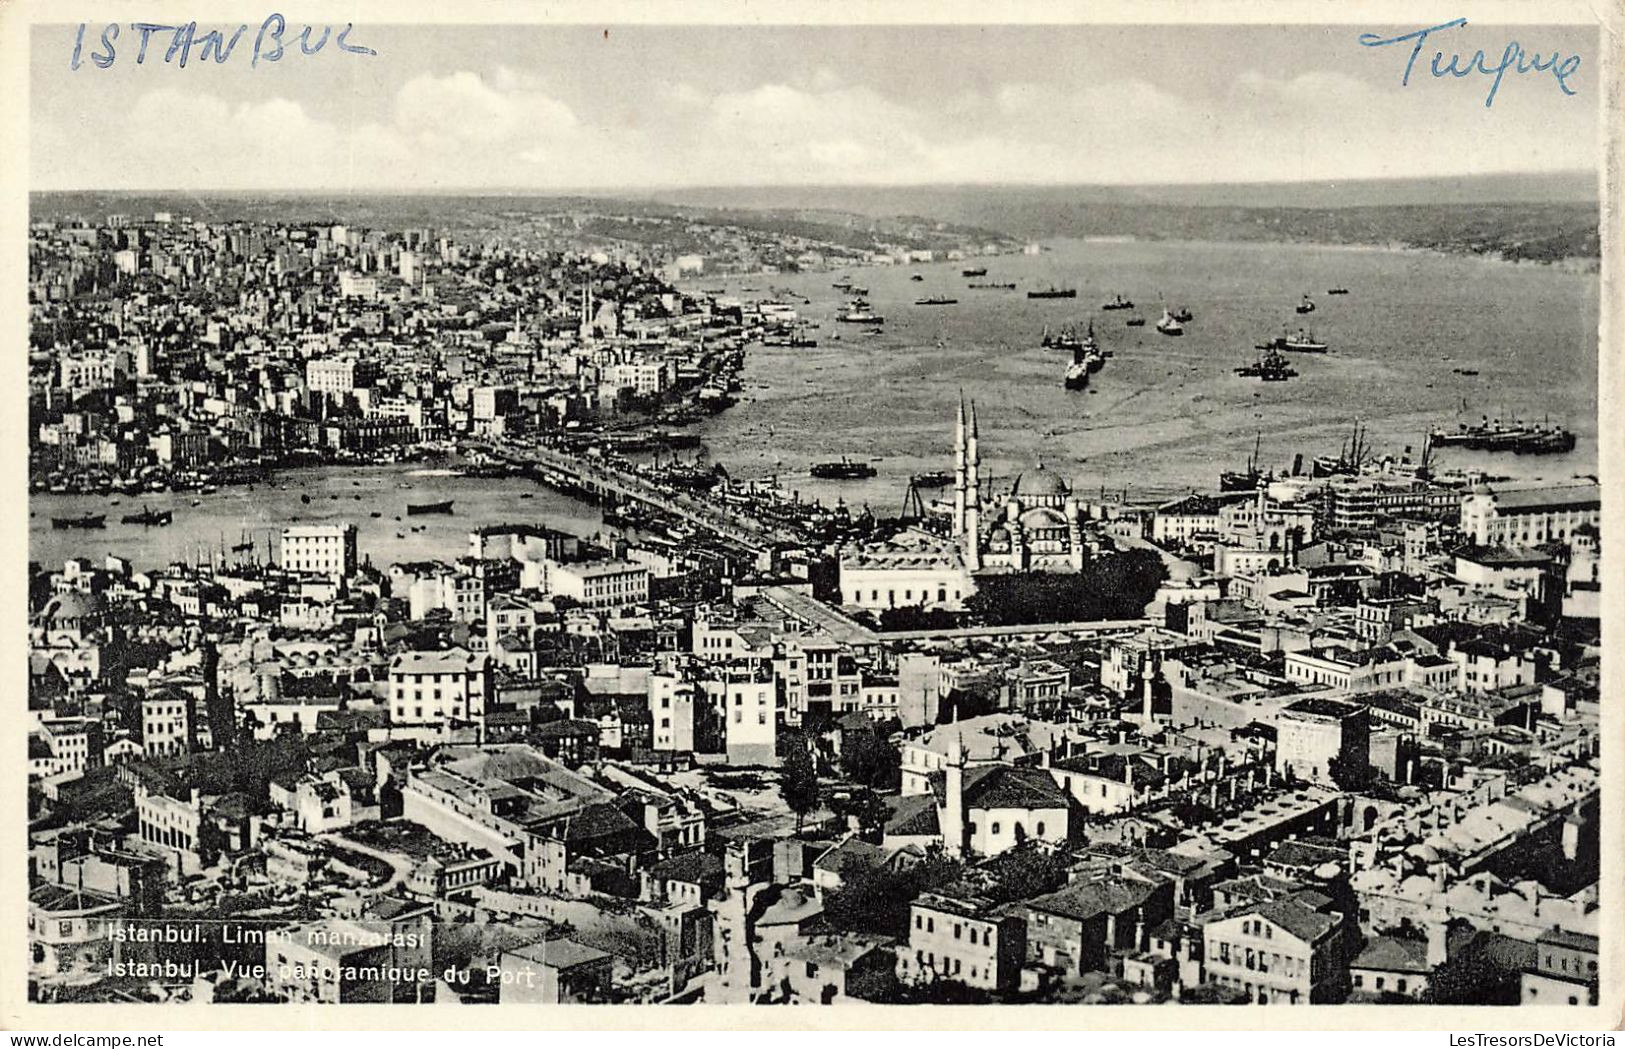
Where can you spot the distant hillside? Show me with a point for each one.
(1521, 217)
(957, 203)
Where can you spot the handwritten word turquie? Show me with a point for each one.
(180, 43)
(1513, 58)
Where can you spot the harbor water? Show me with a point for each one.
(1166, 414)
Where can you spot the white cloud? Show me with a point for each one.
(504, 129)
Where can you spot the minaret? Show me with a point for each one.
(586, 310)
(959, 469)
(951, 818)
(973, 498)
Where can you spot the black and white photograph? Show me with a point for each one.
(850, 512)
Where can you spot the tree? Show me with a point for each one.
(868, 758)
(869, 808)
(877, 899)
(1349, 775)
(799, 783)
(1026, 871)
(1113, 586)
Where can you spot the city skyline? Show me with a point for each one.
(521, 108)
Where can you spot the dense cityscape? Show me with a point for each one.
(1323, 733)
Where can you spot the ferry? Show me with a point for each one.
(149, 518)
(858, 312)
(844, 470)
(1303, 342)
(1514, 437)
(1052, 292)
(82, 521)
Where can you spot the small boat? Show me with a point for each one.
(989, 286)
(935, 300)
(1134, 322)
(973, 271)
(305, 498)
(1118, 303)
(1169, 325)
(1093, 358)
(82, 521)
(197, 502)
(859, 313)
(400, 535)
(917, 277)
(1077, 373)
(375, 513)
(1307, 305)
(418, 509)
(1270, 367)
(1337, 291)
(1465, 371)
(148, 517)
(522, 495)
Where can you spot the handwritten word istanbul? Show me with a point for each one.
(268, 43)
(1514, 57)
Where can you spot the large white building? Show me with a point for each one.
(319, 549)
(1492, 516)
(439, 690)
(600, 584)
(912, 571)
(338, 375)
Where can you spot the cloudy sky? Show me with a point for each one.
(558, 108)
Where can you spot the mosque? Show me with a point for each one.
(1037, 526)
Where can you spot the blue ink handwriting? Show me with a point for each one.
(1514, 57)
(216, 45)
